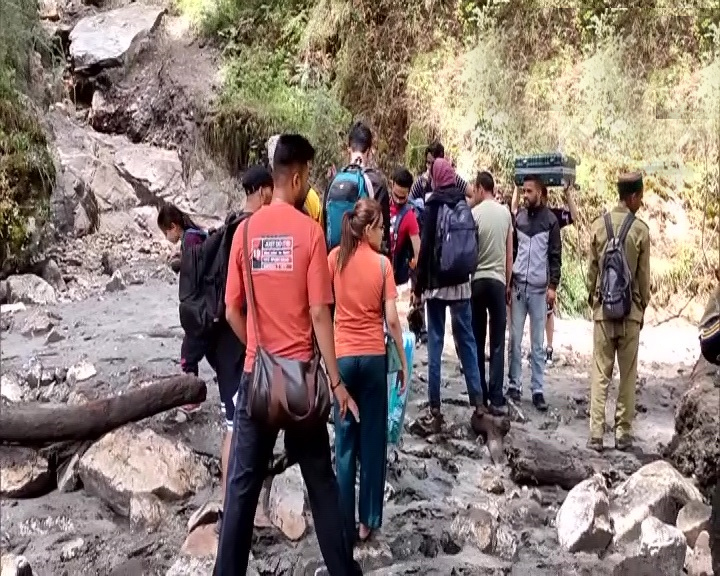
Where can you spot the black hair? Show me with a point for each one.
(538, 180)
(255, 178)
(628, 185)
(402, 177)
(485, 181)
(170, 214)
(360, 138)
(436, 149)
(292, 151)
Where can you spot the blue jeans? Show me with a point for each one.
(365, 378)
(524, 304)
(461, 318)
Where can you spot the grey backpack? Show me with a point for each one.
(615, 275)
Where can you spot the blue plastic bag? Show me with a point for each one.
(398, 402)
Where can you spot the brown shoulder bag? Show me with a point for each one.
(283, 393)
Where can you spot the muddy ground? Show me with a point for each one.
(134, 334)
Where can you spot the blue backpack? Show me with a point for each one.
(344, 191)
(456, 242)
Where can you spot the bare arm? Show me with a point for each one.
(237, 319)
(571, 204)
(415, 241)
(515, 204)
(323, 326)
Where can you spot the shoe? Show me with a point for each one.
(539, 402)
(498, 410)
(595, 444)
(436, 420)
(549, 356)
(623, 443)
(513, 394)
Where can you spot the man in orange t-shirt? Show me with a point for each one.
(292, 295)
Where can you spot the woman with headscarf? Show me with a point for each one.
(440, 292)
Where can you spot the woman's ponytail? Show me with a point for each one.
(348, 240)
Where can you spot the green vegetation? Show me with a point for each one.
(26, 168)
(619, 85)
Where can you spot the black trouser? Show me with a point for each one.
(488, 299)
(250, 452)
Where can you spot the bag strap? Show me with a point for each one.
(251, 289)
(608, 227)
(625, 227)
(382, 302)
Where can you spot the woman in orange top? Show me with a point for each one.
(365, 293)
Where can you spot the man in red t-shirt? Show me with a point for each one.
(404, 227)
(292, 294)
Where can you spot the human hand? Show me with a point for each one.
(414, 300)
(551, 296)
(402, 378)
(345, 402)
(413, 263)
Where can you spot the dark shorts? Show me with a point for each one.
(226, 356)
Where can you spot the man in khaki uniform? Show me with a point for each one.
(618, 337)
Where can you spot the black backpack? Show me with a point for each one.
(615, 275)
(203, 273)
(382, 195)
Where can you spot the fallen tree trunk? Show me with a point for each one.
(36, 423)
(536, 463)
(695, 448)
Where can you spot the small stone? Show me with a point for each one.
(201, 542)
(208, 513)
(700, 561)
(116, 283)
(286, 503)
(693, 519)
(33, 371)
(374, 555)
(36, 324)
(476, 527)
(72, 549)
(81, 371)
(146, 510)
(492, 484)
(10, 387)
(54, 337)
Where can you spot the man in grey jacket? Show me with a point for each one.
(535, 278)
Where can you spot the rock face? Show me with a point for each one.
(286, 504)
(583, 523)
(657, 489)
(146, 511)
(23, 473)
(153, 172)
(130, 461)
(113, 37)
(693, 519)
(695, 449)
(30, 289)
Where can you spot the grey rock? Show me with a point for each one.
(23, 472)
(3, 291)
(54, 337)
(286, 503)
(67, 476)
(30, 289)
(112, 38)
(72, 549)
(37, 323)
(33, 372)
(15, 565)
(155, 174)
(52, 275)
(11, 387)
(661, 550)
(476, 527)
(81, 371)
(699, 562)
(582, 522)
(693, 519)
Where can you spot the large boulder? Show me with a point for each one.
(661, 550)
(154, 173)
(583, 521)
(695, 449)
(112, 38)
(693, 519)
(657, 489)
(131, 461)
(30, 289)
(286, 503)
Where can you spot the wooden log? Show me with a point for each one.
(38, 423)
(536, 463)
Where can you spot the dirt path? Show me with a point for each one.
(135, 333)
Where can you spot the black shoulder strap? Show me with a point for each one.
(608, 226)
(625, 227)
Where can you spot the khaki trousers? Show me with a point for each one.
(611, 340)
